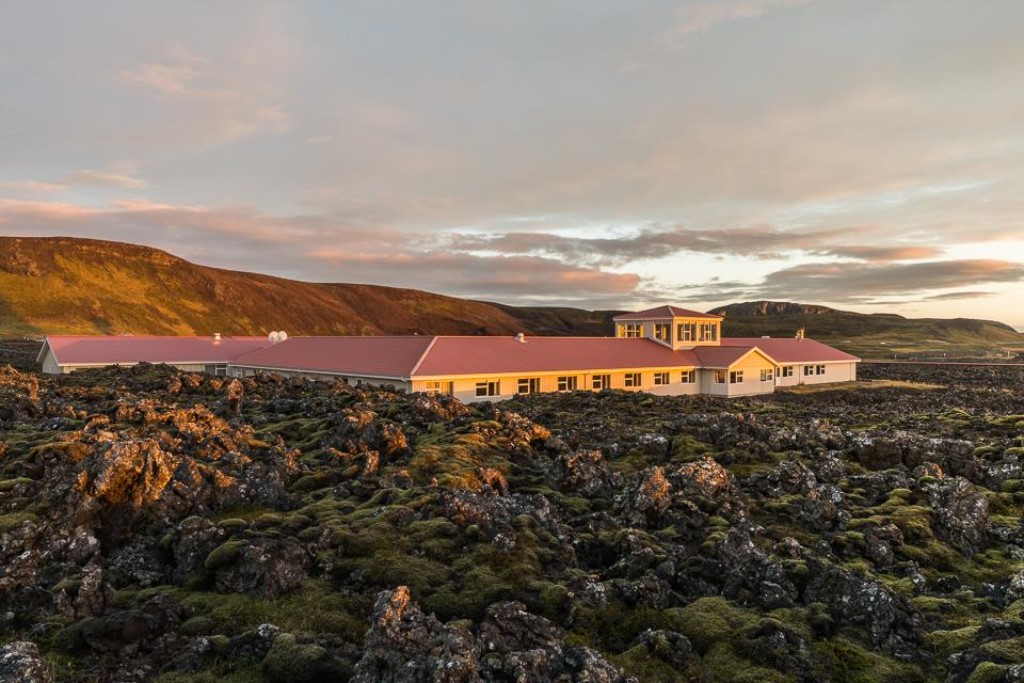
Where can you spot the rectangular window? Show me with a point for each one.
(439, 387)
(661, 378)
(528, 385)
(632, 379)
(631, 329)
(602, 382)
(708, 332)
(488, 388)
(686, 332)
(688, 376)
(766, 376)
(567, 383)
(663, 332)
(787, 371)
(719, 376)
(819, 370)
(808, 370)
(736, 377)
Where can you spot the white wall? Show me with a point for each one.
(834, 372)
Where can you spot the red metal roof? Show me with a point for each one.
(723, 356)
(665, 313)
(390, 357)
(124, 350)
(451, 356)
(790, 350)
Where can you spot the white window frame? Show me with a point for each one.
(599, 382)
(688, 377)
(661, 378)
(530, 384)
(631, 330)
(787, 371)
(663, 332)
(735, 377)
(819, 369)
(488, 387)
(720, 376)
(632, 380)
(568, 383)
(767, 375)
(808, 370)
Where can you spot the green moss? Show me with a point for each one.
(8, 484)
(726, 665)
(13, 520)
(224, 555)
(948, 642)
(287, 661)
(1010, 650)
(987, 672)
(843, 661)
(707, 621)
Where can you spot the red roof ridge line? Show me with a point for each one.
(423, 357)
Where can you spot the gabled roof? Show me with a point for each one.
(665, 313)
(724, 357)
(453, 356)
(114, 350)
(790, 350)
(389, 357)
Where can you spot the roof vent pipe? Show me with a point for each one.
(521, 338)
(216, 336)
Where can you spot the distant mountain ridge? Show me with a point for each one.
(771, 308)
(870, 334)
(85, 286)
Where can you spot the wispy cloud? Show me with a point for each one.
(653, 242)
(120, 175)
(843, 283)
(229, 106)
(699, 16)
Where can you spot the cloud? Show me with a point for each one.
(843, 282)
(121, 175)
(652, 242)
(219, 103)
(33, 186)
(957, 296)
(883, 254)
(104, 179)
(505, 277)
(700, 16)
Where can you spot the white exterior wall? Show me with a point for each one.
(751, 366)
(50, 366)
(834, 372)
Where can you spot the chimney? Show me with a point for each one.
(216, 336)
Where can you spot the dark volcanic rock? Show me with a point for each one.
(20, 663)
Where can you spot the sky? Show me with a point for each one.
(863, 154)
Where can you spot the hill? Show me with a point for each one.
(71, 285)
(877, 335)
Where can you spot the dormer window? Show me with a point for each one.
(663, 332)
(631, 329)
(686, 332)
(708, 332)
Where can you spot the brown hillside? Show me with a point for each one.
(71, 285)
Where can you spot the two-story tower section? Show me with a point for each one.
(676, 328)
